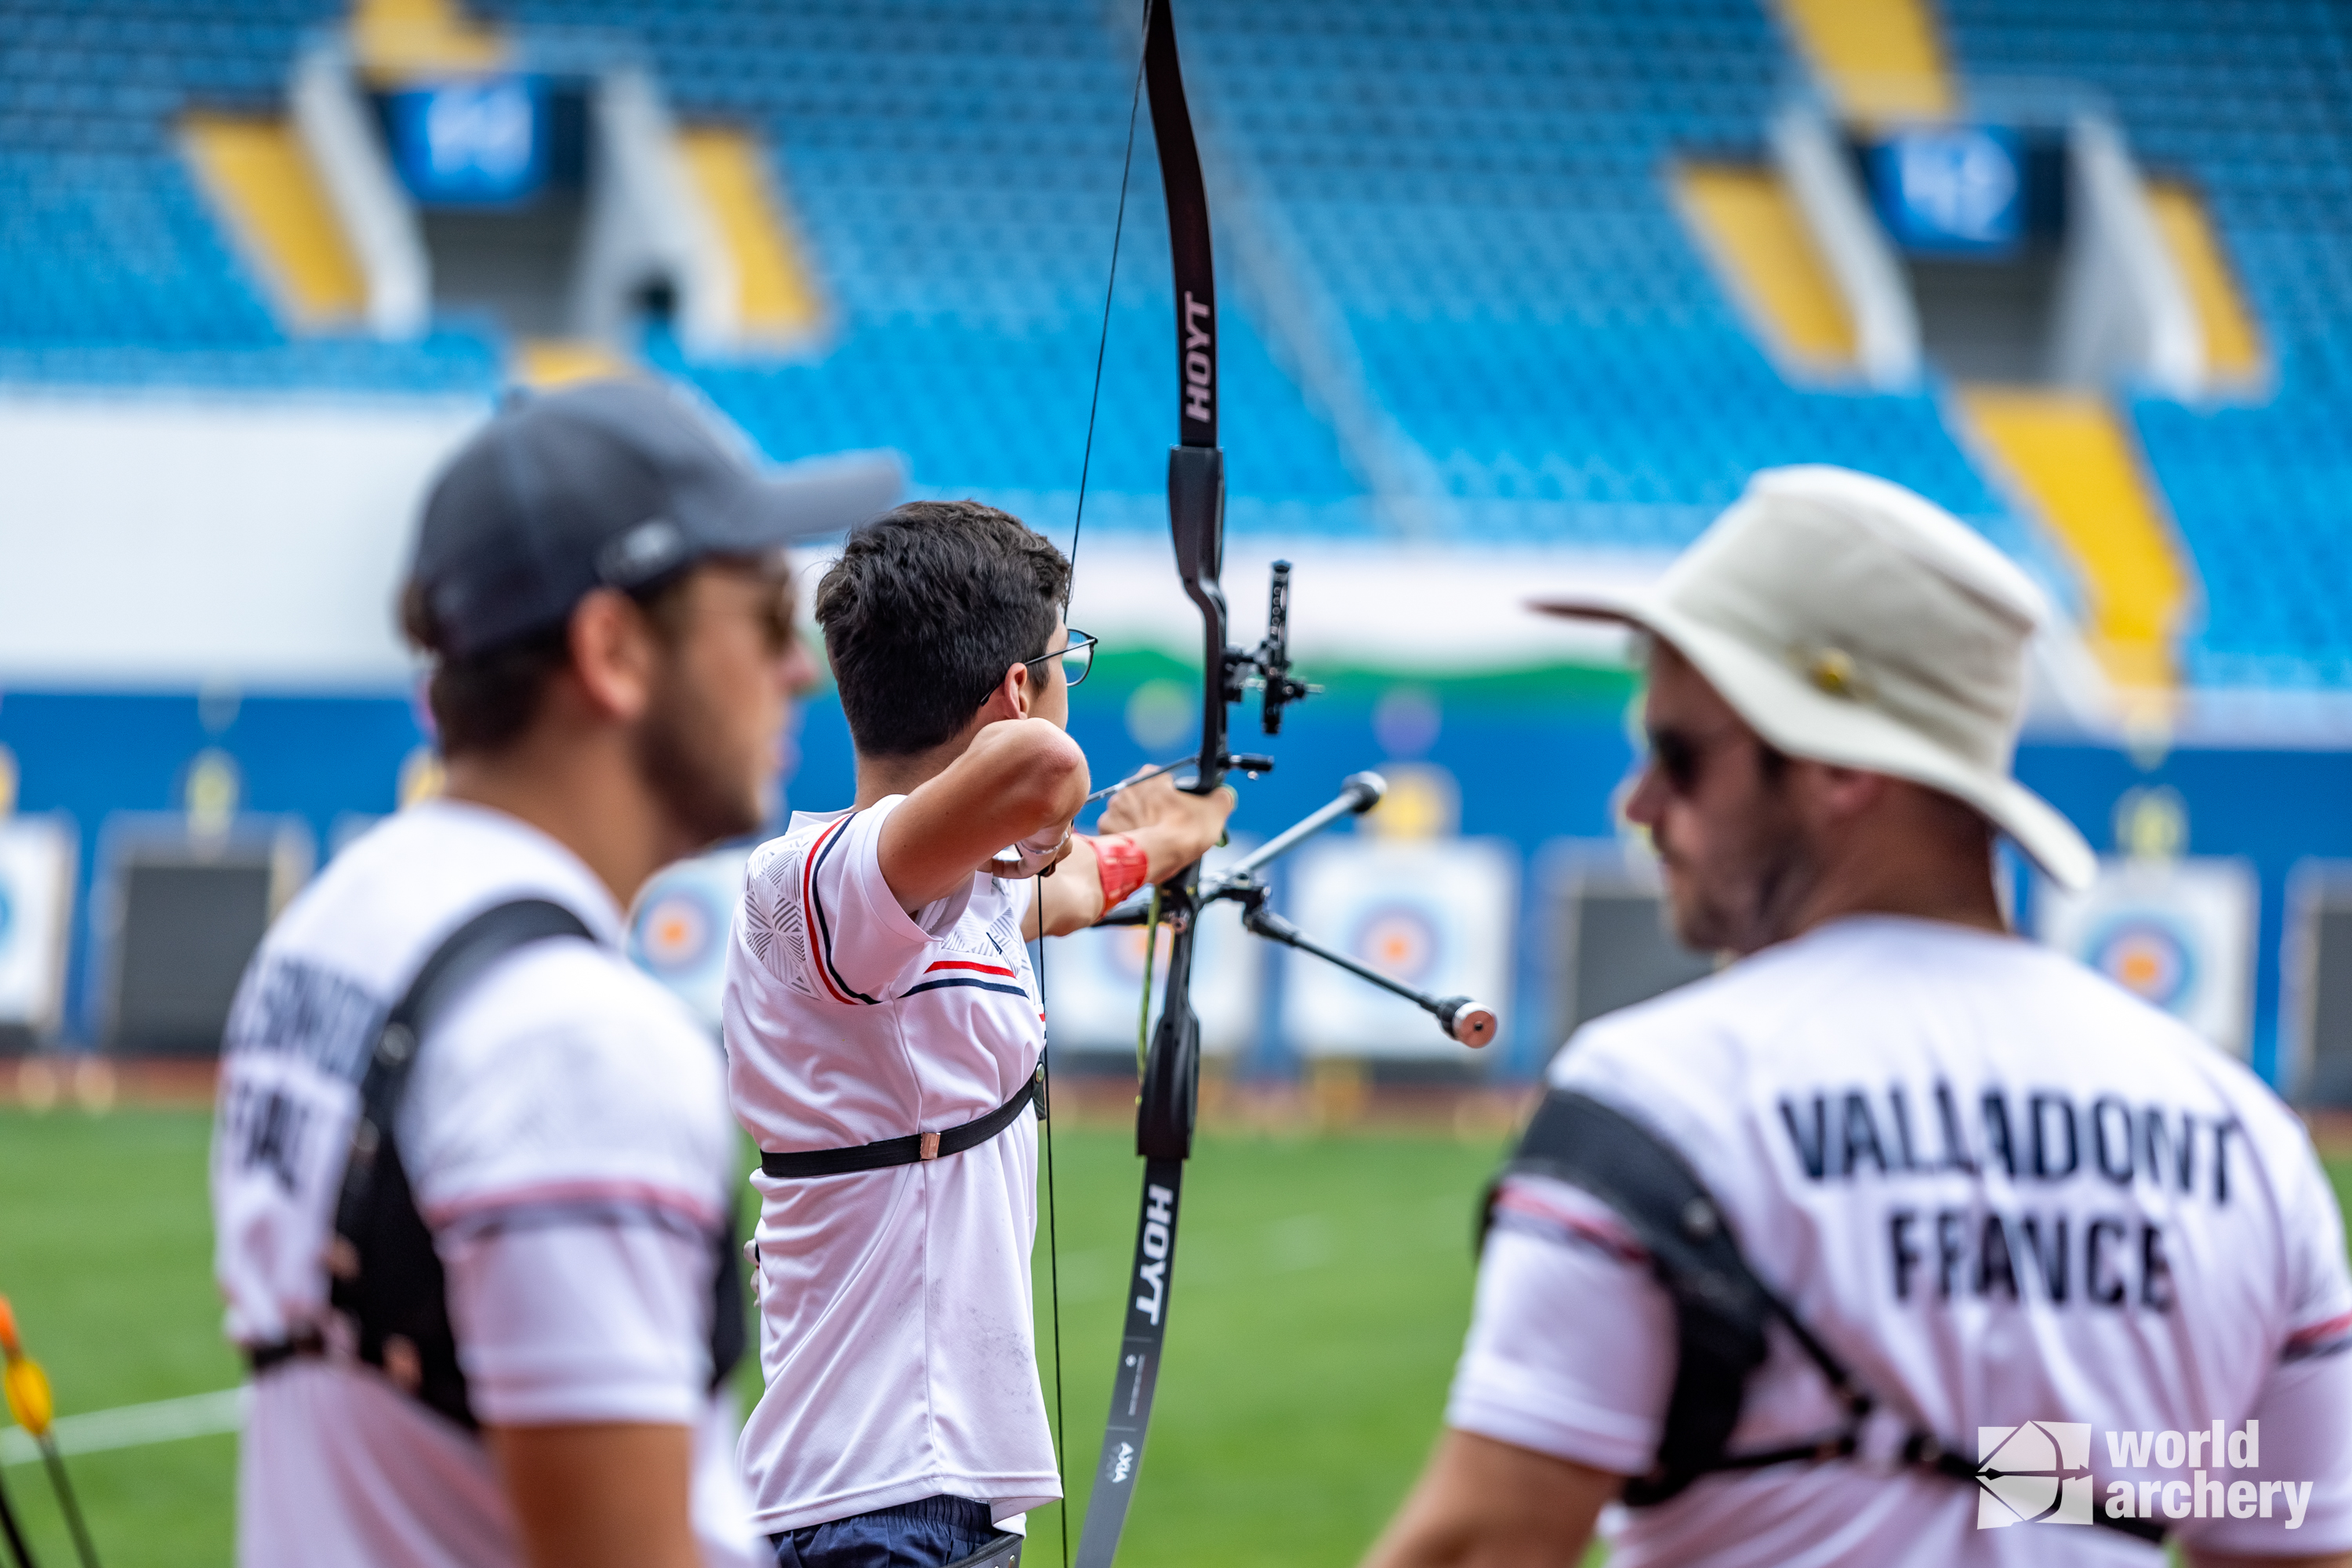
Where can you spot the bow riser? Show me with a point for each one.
(1196, 522)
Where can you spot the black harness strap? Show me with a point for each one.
(911, 1149)
(1721, 1308)
(385, 1276)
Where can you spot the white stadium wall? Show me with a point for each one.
(167, 542)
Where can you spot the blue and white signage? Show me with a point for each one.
(36, 883)
(480, 142)
(1951, 189)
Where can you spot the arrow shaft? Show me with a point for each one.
(19, 1553)
(68, 1504)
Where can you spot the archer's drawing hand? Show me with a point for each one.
(1038, 853)
(1176, 828)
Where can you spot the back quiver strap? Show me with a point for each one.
(1721, 1307)
(385, 1276)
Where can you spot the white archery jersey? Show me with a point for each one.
(2001, 1191)
(894, 1312)
(564, 1130)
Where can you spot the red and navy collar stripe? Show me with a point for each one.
(973, 977)
(813, 909)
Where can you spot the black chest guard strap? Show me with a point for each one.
(1721, 1308)
(385, 1275)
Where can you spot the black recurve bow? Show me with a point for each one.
(1196, 519)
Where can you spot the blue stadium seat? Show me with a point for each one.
(2244, 101)
(1476, 191)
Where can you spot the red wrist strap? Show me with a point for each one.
(1121, 864)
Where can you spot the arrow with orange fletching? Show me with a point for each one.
(29, 1402)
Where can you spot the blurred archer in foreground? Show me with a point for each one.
(1781, 1248)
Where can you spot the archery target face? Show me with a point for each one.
(1437, 914)
(2178, 934)
(678, 933)
(675, 931)
(2152, 959)
(1399, 940)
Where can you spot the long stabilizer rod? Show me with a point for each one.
(1471, 1023)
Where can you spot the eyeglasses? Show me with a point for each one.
(1076, 659)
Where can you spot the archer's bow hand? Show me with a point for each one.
(1172, 828)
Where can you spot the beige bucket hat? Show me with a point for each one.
(1850, 621)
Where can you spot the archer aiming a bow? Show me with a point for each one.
(886, 1034)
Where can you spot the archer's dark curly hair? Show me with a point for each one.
(927, 607)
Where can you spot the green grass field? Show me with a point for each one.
(1321, 1289)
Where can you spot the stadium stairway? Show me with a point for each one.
(1880, 59)
(1767, 256)
(402, 40)
(2233, 356)
(259, 178)
(2074, 456)
(777, 296)
(543, 363)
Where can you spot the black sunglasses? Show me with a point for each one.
(1076, 659)
(1682, 758)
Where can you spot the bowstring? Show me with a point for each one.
(1053, 1215)
(1102, 343)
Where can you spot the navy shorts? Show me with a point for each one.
(930, 1532)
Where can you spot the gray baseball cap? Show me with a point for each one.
(609, 484)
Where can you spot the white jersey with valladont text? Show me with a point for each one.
(2003, 1192)
(565, 1132)
(895, 1326)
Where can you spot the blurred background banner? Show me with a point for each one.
(263, 265)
